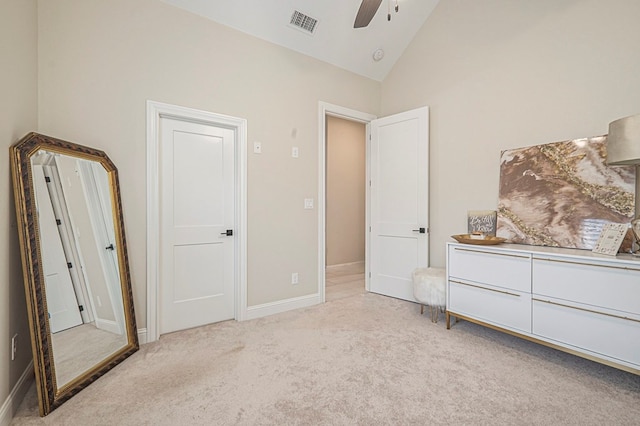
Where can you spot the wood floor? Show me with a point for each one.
(344, 281)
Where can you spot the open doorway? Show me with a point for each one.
(327, 111)
(345, 207)
(396, 216)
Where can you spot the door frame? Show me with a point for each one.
(156, 111)
(325, 109)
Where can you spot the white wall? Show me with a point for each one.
(100, 60)
(18, 116)
(501, 74)
(345, 202)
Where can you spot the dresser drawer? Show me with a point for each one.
(501, 269)
(602, 333)
(607, 285)
(509, 309)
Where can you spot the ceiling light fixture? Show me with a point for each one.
(368, 9)
(396, 8)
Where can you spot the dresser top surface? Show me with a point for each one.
(541, 251)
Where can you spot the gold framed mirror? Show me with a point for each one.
(75, 265)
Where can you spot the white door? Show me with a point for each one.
(399, 240)
(97, 197)
(89, 245)
(197, 265)
(62, 304)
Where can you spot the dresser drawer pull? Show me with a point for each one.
(492, 253)
(587, 264)
(485, 288)
(585, 310)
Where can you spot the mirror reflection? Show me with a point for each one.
(79, 261)
(74, 262)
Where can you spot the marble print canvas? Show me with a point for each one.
(561, 194)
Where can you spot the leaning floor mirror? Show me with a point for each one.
(75, 266)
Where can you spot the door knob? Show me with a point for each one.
(421, 230)
(228, 233)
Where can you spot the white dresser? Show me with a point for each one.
(573, 300)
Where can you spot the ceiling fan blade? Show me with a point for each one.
(368, 9)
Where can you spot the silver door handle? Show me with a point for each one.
(421, 230)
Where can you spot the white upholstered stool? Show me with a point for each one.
(429, 289)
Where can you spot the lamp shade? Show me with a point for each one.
(623, 141)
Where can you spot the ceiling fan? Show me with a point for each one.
(367, 11)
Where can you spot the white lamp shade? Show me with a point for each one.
(623, 141)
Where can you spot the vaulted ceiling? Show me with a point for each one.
(333, 40)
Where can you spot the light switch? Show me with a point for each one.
(294, 152)
(257, 148)
(308, 203)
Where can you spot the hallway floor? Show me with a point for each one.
(344, 281)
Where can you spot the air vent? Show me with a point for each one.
(304, 22)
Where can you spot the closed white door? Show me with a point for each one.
(62, 304)
(197, 271)
(90, 245)
(399, 201)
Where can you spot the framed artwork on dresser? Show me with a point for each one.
(611, 238)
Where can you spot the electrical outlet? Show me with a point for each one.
(294, 152)
(14, 347)
(294, 278)
(257, 148)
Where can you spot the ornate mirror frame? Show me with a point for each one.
(51, 396)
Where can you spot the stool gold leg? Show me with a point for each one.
(433, 311)
(421, 309)
(448, 317)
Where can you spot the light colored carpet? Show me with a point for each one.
(359, 360)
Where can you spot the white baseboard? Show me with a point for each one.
(11, 404)
(142, 336)
(260, 311)
(267, 309)
(340, 265)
